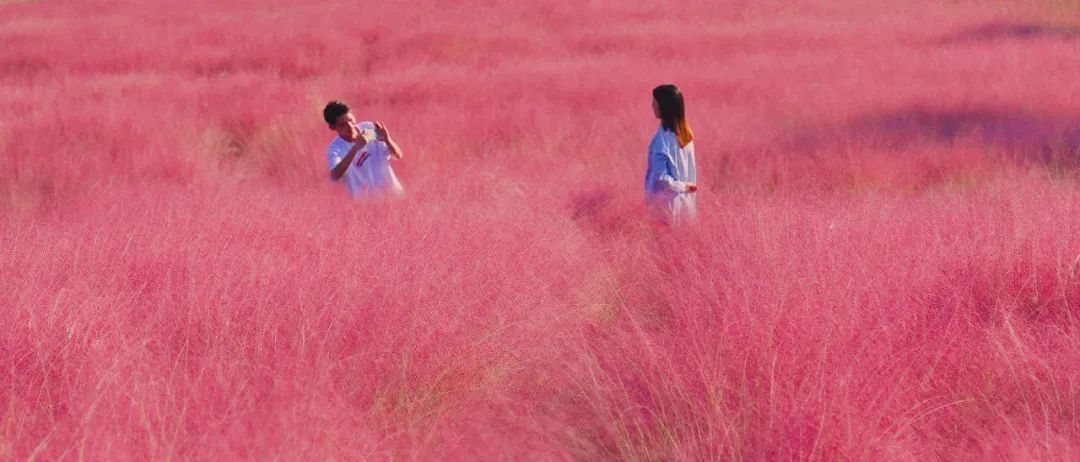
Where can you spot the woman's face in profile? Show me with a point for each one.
(655, 108)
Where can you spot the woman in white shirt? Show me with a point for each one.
(671, 178)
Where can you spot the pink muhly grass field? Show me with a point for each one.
(886, 264)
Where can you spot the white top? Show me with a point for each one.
(670, 168)
(374, 176)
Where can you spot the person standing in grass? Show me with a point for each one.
(671, 177)
(359, 161)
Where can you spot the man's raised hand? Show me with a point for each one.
(361, 137)
(381, 133)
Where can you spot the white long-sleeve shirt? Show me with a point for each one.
(670, 168)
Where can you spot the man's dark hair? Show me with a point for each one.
(333, 110)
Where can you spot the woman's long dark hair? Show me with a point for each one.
(673, 112)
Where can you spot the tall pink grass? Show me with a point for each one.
(885, 268)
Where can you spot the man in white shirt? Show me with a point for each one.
(361, 163)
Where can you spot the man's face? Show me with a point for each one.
(345, 126)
